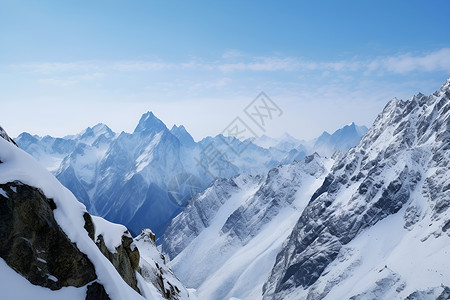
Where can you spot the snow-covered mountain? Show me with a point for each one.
(143, 179)
(325, 145)
(225, 242)
(369, 223)
(52, 248)
(378, 227)
(372, 222)
(342, 139)
(285, 142)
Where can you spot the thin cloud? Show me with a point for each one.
(234, 61)
(262, 64)
(71, 80)
(140, 66)
(434, 61)
(53, 67)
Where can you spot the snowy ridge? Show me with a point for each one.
(325, 145)
(225, 241)
(341, 140)
(18, 166)
(378, 226)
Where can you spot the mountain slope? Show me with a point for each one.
(378, 226)
(138, 179)
(225, 241)
(51, 248)
(342, 139)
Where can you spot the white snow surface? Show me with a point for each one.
(220, 266)
(18, 165)
(15, 287)
(112, 233)
(402, 254)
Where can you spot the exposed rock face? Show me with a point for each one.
(278, 190)
(33, 244)
(96, 291)
(438, 293)
(126, 257)
(154, 270)
(4, 135)
(198, 215)
(48, 238)
(125, 260)
(402, 162)
(226, 240)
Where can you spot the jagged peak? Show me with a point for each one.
(180, 127)
(182, 135)
(447, 83)
(360, 130)
(309, 158)
(420, 98)
(146, 235)
(324, 134)
(27, 135)
(149, 123)
(101, 126)
(391, 106)
(444, 88)
(97, 129)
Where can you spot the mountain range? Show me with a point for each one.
(370, 223)
(143, 179)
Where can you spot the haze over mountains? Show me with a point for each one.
(145, 178)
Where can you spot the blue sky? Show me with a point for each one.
(66, 65)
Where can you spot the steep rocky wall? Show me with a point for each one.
(33, 244)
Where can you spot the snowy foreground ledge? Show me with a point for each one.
(18, 166)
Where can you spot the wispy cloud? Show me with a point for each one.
(71, 80)
(53, 67)
(403, 63)
(234, 61)
(262, 64)
(139, 66)
(211, 84)
(434, 61)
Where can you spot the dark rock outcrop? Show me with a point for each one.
(96, 291)
(33, 244)
(126, 257)
(4, 135)
(154, 270)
